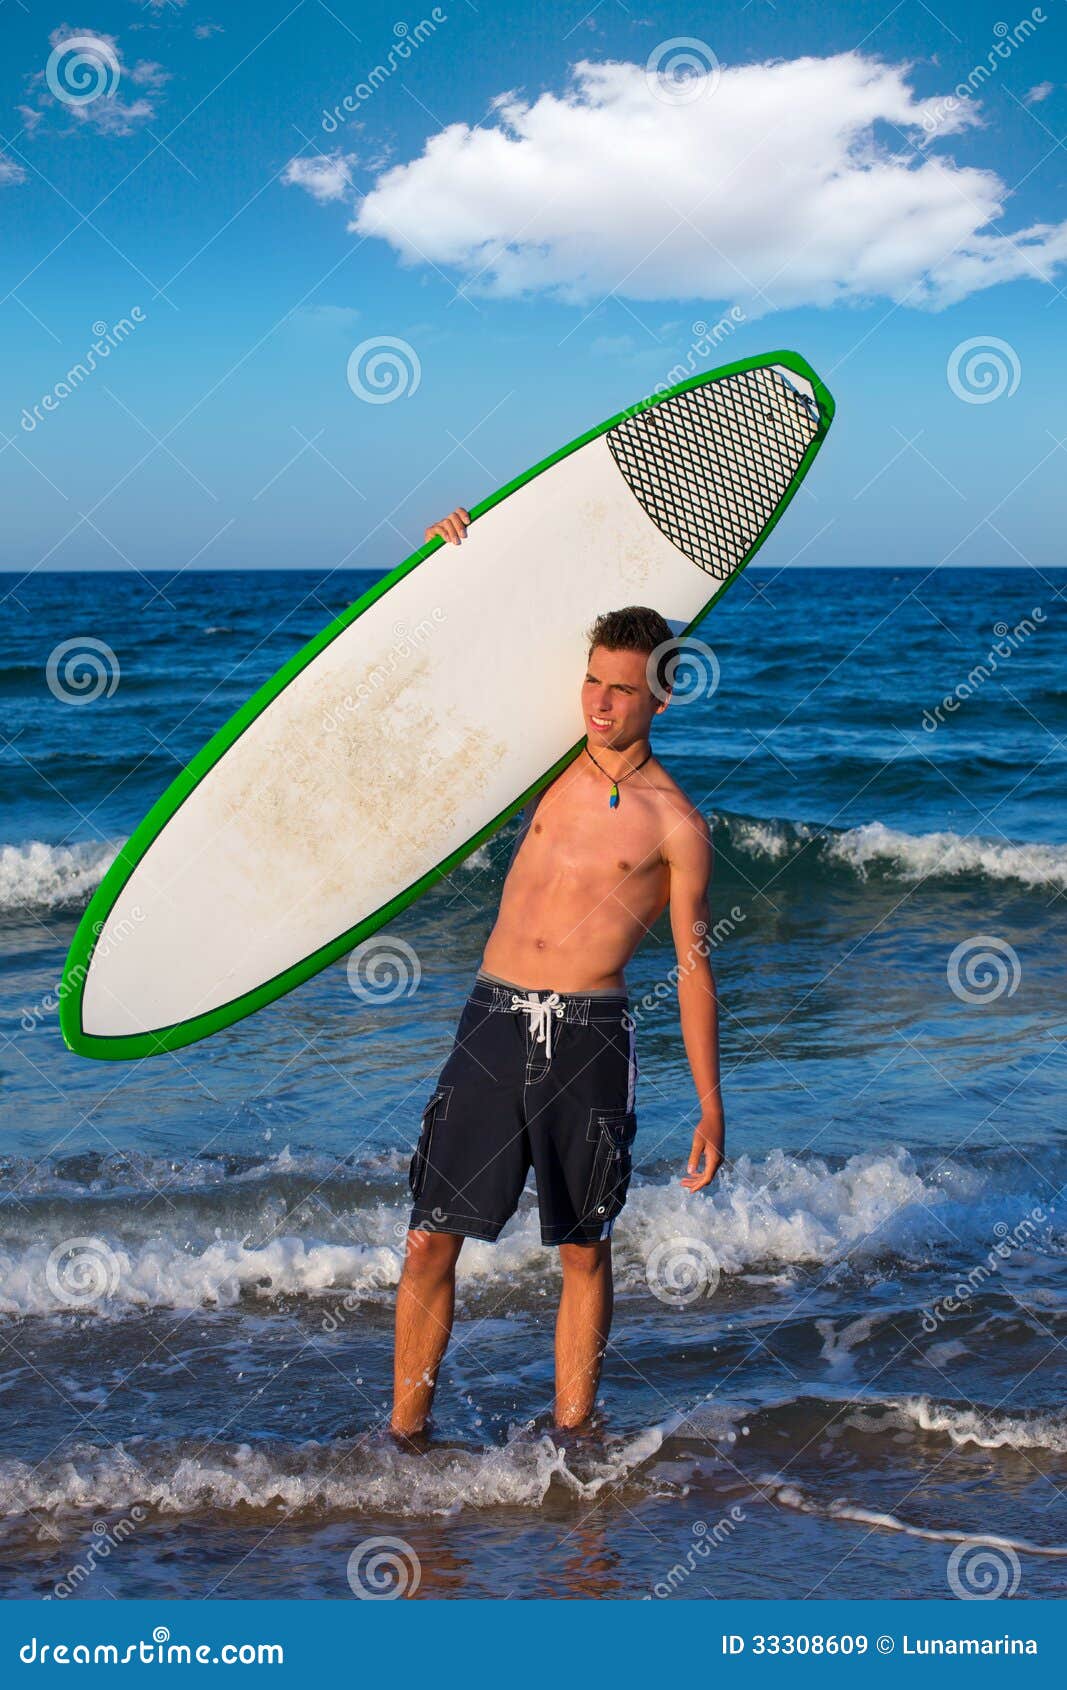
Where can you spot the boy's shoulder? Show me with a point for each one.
(674, 798)
(681, 818)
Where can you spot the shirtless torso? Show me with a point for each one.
(586, 883)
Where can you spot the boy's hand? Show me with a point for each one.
(451, 528)
(707, 1153)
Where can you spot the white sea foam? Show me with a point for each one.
(345, 1476)
(161, 1273)
(786, 1211)
(916, 856)
(39, 875)
(960, 1424)
(779, 1213)
(896, 854)
(791, 1495)
(50, 876)
(983, 1427)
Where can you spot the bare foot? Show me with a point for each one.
(413, 1441)
(580, 1433)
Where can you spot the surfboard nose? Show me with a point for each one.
(710, 464)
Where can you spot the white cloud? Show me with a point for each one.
(203, 31)
(10, 172)
(148, 74)
(325, 176)
(107, 111)
(65, 33)
(1034, 96)
(327, 316)
(794, 182)
(114, 116)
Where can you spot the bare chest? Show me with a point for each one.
(575, 836)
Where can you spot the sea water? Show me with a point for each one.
(838, 1372)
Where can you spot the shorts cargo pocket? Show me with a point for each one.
(419, 1165)
(613, 1132)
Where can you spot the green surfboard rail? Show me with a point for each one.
(135, 1046)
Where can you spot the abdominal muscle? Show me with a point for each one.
(584, 888)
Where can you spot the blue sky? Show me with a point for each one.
(538, 204)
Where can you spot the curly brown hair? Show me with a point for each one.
(636, 628)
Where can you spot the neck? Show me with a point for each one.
(618, 761)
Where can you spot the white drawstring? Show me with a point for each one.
(540, 1011)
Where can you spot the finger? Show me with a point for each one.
(453, 532)
(466, 515)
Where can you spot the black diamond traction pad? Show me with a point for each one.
(711, 465)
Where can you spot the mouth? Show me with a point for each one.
(602, 723)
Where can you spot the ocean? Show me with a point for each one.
(837, 1373)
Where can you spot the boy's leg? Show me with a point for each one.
(466, 1177)
(425, 1301)
(582, 1328)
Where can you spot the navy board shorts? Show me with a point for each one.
(539, 1079)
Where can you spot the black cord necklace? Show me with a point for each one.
(613, 795)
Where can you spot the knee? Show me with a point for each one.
(431, 1256)
(584, 1261)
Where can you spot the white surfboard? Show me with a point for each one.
(406, 733)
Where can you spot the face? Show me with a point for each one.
(617, 702)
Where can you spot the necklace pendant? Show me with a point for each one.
(613, 797)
